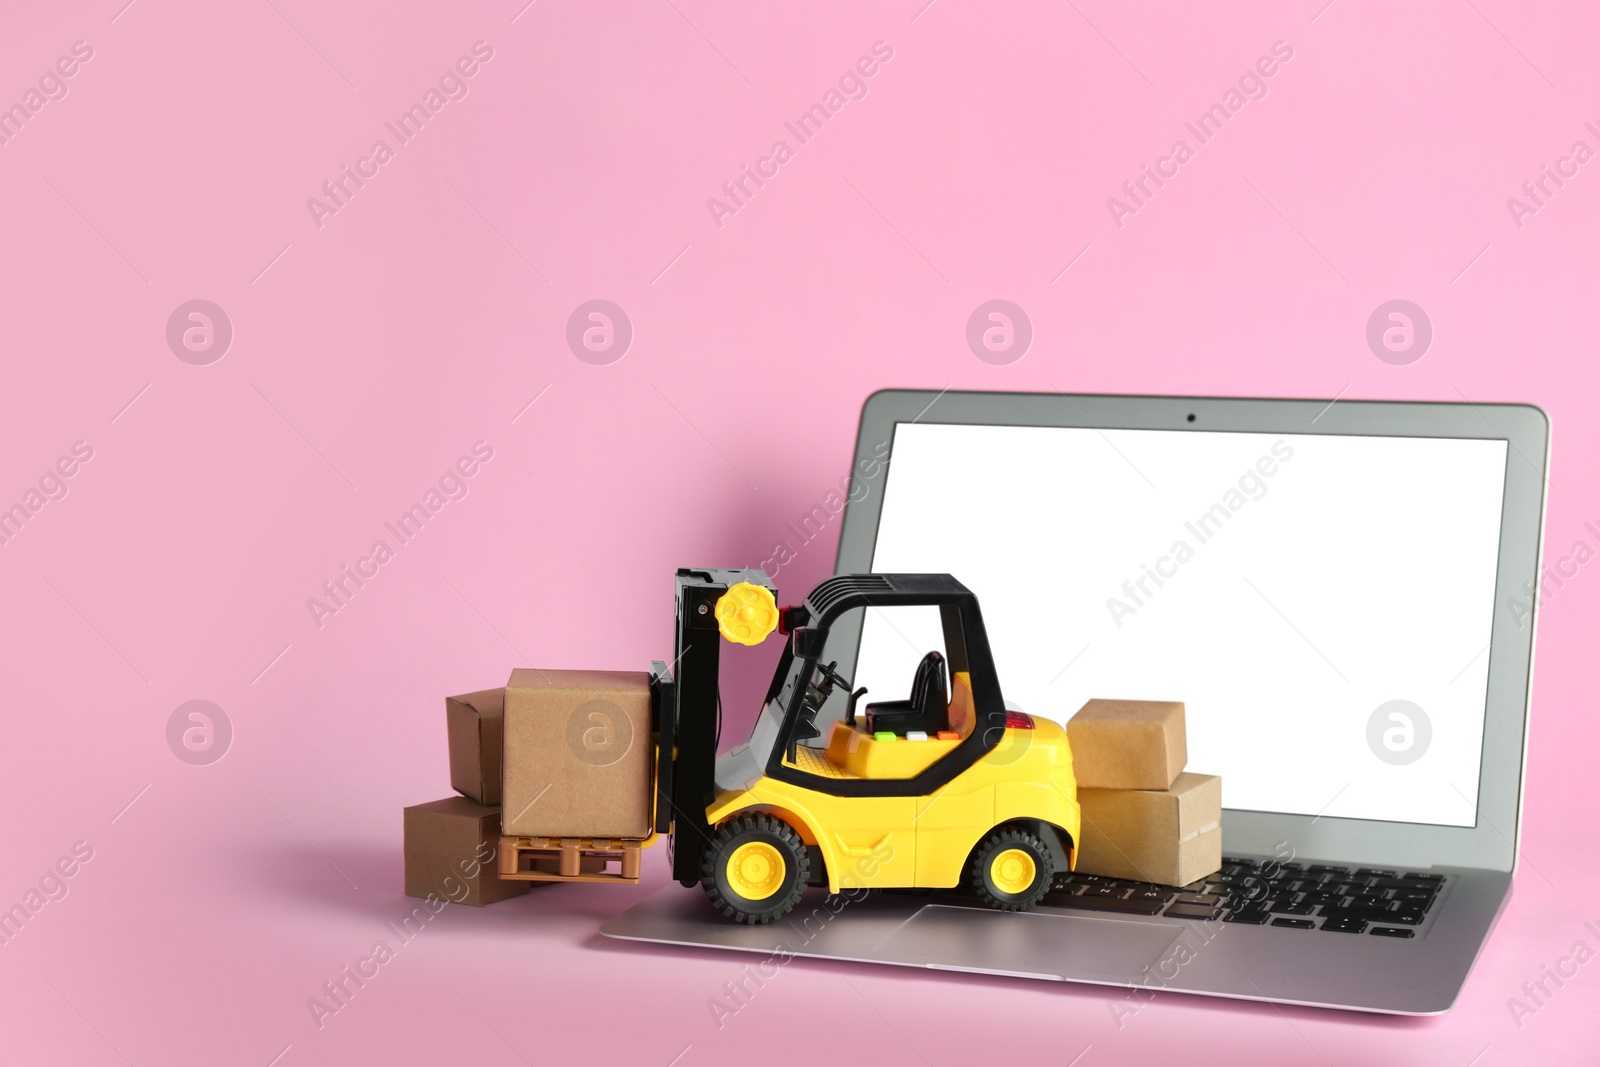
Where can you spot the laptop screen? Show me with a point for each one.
(1320, 603)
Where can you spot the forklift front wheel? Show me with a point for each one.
(755, 868)
(1011, 869)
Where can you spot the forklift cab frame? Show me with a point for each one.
(802, 684)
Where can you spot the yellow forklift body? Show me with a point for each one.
(916, 841)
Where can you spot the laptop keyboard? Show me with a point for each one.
(1318, 896)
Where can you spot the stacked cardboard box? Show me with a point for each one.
(1144, 817)
(475, 724)
(552, 758)
(577, 754)
(451, 853)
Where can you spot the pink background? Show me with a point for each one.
(370, 353)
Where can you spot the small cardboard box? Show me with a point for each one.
(451, 847)
(474, 724)
(577, 754)
(1167, 836)
(1127, 744)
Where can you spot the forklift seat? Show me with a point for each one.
(928, 708)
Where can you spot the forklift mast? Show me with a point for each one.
(686, 714)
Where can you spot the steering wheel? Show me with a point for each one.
(831, 673)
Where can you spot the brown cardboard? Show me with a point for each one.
(451, 849)
(577, 754)
(1127, 744)
(1167, 836)
(474, 724)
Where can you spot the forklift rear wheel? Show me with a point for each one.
(755, 868)
(1011, 869)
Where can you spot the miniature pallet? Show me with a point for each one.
(570, 859)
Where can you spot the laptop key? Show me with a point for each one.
(1424, 876)
(1162, 895)
(1391, 931)
(1292, 909)
(1191, 911)
(1398, 884)
(1250, 916)
(1333, 911)
(1207, 899)
(1345, 926)
(1324, 868)
(1295, 924)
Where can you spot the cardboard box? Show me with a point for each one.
(577, 754)
(1167, 836)
(475, 726)
(451, 847)
(1127, 744)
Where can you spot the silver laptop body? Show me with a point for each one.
(1407, 487)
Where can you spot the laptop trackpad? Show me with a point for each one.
(1034, 944)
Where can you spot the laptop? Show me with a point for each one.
(1343, 595)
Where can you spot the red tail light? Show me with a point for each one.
(1016, 720)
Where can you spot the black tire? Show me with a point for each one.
(981, 876)
(767, 839)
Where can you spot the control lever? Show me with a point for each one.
(850, 708)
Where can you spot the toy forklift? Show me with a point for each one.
(943, 789)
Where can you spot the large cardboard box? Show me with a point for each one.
(1127, 744)
(474, 724)
(1167, 836)
(577, 754)
(451, 847)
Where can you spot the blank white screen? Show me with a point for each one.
(1360, 570)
